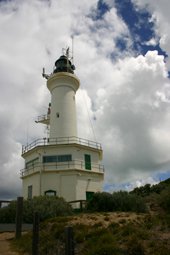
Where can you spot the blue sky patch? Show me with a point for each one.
(140, 26)
(121, 44)
(102, 8)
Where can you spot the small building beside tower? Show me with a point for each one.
(62, 164)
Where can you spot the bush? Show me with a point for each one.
(142, 191)
(8, 213)
(46, 206)
(164, 201)
(101, 202)
(118, 201)
(102, 242)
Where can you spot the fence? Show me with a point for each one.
(69, 236)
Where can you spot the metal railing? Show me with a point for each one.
(60, 140)
(69, 165)
(42, 117)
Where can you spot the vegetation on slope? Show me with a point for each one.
(116, 223)
(149, 189)
(104, 234)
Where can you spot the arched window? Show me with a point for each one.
(50, 192)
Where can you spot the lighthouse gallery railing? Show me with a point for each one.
(60, 140)
(74, 164)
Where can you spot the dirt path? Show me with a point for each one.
(5, 245)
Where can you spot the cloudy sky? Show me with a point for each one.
(121, 54)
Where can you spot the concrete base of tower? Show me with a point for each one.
(71, 185)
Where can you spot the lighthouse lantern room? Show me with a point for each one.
(62, 164)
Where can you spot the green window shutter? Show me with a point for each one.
(87, 159)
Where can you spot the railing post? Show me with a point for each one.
(69, 246)
(81, 205)
(35, 237)
(19, 210)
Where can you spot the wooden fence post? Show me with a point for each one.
(69, 247)
(35, 237)
(19, 211)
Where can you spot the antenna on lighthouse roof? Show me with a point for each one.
(72, 37)
(66, 51)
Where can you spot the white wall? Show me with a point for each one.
(71, 185)
(63, 122)
(33, 180)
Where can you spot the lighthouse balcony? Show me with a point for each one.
(44, 119)
(61, 166)
(61, 141)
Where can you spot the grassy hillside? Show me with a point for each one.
(110, 233)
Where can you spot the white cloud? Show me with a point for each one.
(134, 115)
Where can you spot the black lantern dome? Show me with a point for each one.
(63, 64)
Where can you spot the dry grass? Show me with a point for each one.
(106, 218)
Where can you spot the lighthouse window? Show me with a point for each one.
(31, 163)
(57, 114)
(57, 158)
(30, 192)
(50, 193)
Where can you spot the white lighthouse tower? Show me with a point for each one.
(62, 164)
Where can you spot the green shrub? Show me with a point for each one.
(8, 213)
(142, 191)
(102, 242)
(123, 201)
(46, 206)
(147, 189)
(101, 202)
(164, 200)
(118, 201)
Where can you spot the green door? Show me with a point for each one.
(87, 159)
(89, 195)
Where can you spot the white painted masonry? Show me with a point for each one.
(63, 87)
(62, 164)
